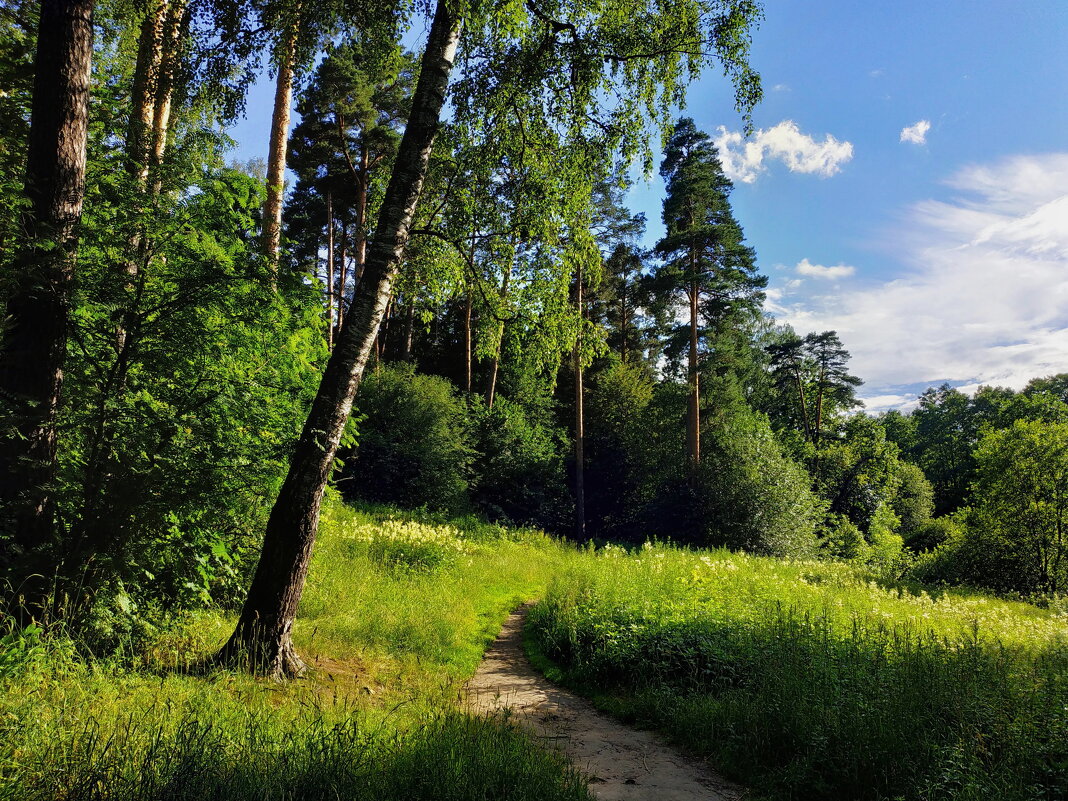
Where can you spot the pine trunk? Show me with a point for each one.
(146, 78)
(342, 273)
(279, 143)
(329, 270)
(35, 331)
(580, 428)
(170, 58)
(263, 636)
(361, 213)
(694, 427)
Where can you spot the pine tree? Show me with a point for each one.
(705, 258)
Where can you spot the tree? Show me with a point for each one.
(500, 64)
(34, 344)
(811, 381)
(835, 388)
(1019, 531)
(705, 258)
(946, 435)
(340, 151)
(263, 635)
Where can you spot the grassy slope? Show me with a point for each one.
(392, 628)
(807, 680)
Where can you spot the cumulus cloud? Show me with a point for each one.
(781, 87)
(805, 267)
(985, 297)
(744, 160)
(916, 133)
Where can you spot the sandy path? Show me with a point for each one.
(622, 763)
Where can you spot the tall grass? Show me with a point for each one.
(396, 614)
(808, 680)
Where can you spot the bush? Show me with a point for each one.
(413, 444)
(519, 468)
(751, 496)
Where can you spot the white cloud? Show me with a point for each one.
(743, 160)
(805, 267)
(781, 87)
(884, 403)
(916, 133)
(985, 296)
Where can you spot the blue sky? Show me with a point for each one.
(907, 184)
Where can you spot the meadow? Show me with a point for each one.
(803, 679)
(812, 680)
(396, 615)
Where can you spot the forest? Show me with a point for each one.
(283, 442)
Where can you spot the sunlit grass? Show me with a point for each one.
(390, 641)
(805, 679)
(811, 680)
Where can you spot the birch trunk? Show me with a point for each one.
(263, 635)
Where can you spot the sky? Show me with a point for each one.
(906, 185)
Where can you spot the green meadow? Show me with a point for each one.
(802, 679)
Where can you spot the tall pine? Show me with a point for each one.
(705, 260)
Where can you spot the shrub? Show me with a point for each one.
(413, 445)
(519, 470)
(752, 496)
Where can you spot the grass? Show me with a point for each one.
(397, 612)
(808, 680)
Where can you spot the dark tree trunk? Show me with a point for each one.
(35, 334)
(409, 328)
(363, 183)
(329, 269)
(467, 342)
(580, 427)
(263, 636)
(693, 430)
(491, 386)
(801, 399)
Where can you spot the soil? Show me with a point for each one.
(621, 763)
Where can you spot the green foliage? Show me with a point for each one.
(176, 440)
(1020, 515)
(807, 680)
(413, 444)
(519, 467)
(752, 496)
(935, 532)
(913, 501)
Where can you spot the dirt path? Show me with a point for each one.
(622, 763)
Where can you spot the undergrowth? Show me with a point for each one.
(396, 614)
(809, 681)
